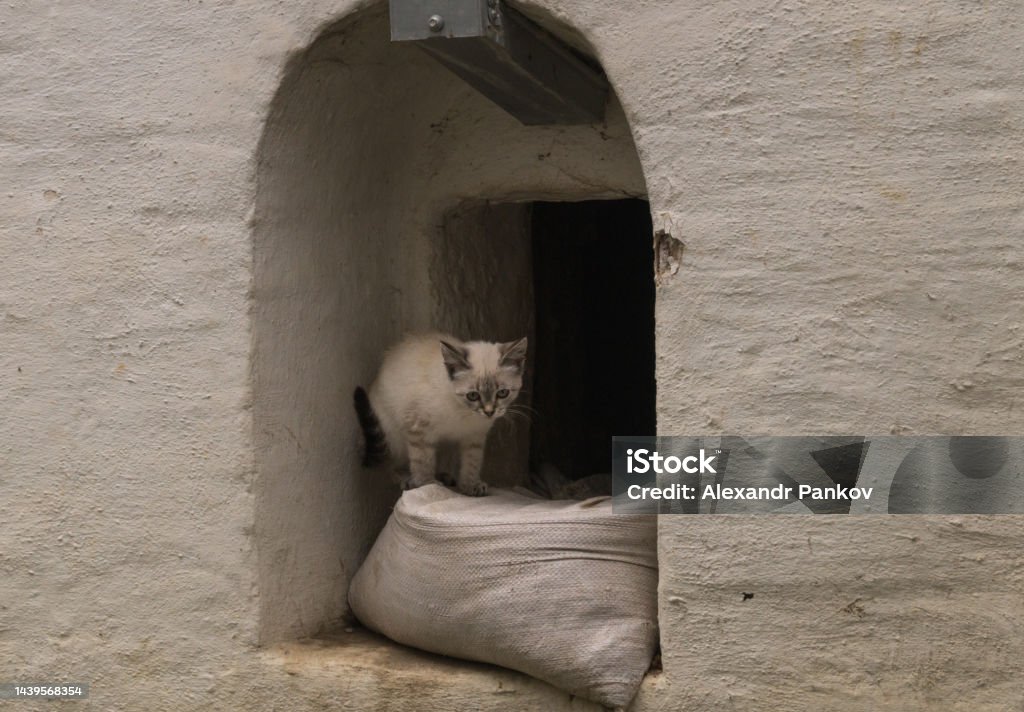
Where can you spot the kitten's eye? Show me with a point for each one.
(502, 393)
(473, 396)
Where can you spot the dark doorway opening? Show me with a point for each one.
(593, 284)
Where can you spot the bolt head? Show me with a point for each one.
(435, 23)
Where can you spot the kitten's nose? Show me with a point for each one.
(488, 410)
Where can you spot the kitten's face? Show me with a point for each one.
(485, 377)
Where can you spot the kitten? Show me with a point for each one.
(434, 389)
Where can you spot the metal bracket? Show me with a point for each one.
(515, 63)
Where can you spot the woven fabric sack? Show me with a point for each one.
(560, 590)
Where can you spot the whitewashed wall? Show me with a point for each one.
(847, 181)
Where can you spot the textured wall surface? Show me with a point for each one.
(194, 204)
(848, 183)
(846, 613)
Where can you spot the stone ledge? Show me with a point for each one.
(363, 671)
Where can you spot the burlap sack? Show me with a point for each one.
(564, 591)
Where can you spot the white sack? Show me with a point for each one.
(564, 591)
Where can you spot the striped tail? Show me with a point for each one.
(376, 443)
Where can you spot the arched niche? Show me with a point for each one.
(391, 197)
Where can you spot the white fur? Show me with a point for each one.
(419, 406)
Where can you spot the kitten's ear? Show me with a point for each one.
(513, 354)
(456, 359)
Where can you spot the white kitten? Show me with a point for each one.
(434, 389)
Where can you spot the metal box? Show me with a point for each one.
(411, 19)
(506, 57)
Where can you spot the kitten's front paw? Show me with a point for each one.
(473, 489)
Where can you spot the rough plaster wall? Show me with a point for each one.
(848, 613)
(369, 145)
(829, 167)
(126, 460)
(328, 298)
